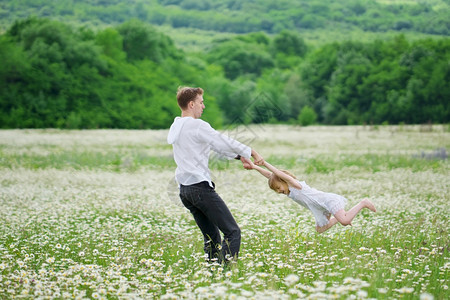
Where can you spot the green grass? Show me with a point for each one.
(75, 222)
(127, 161)
(367, 162)
(90, 159)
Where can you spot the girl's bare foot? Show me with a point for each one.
(369, 205)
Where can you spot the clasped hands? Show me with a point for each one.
(248, 164)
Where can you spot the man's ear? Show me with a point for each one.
(191, 104)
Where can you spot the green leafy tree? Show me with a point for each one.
(316, 72)
(307, 116)
(244, 16)
(14, 76)
(56, 75)
(289, 43)
(142, 41)
(234, 99)
(271, 103)
(428, 90)
(63, 77)
(239, 58)
(112, 44)
(298, 95)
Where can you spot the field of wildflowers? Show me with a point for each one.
(95, 214)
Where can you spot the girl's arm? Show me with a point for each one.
(291, 181)
(262, 171)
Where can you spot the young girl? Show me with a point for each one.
(322, 204)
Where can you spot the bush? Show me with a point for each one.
(307, 116)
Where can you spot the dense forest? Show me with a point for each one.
(244, 16)
(124, 72)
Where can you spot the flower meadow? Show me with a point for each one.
(94, 214)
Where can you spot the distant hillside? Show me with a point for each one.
(244, 16)
(115, 64)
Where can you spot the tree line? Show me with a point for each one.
(126, 76)
(245, 16)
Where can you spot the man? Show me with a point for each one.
(192, 140)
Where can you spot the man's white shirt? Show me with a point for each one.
(192, 141)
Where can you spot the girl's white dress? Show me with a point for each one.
(320, 203)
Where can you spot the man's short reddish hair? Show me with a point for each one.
(187, 94)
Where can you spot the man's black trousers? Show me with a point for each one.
(211, 215)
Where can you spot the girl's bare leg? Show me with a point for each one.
(330, 224)
(345, 218)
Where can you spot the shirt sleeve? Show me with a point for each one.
(221, 143)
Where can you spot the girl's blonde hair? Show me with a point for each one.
(273, 179)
